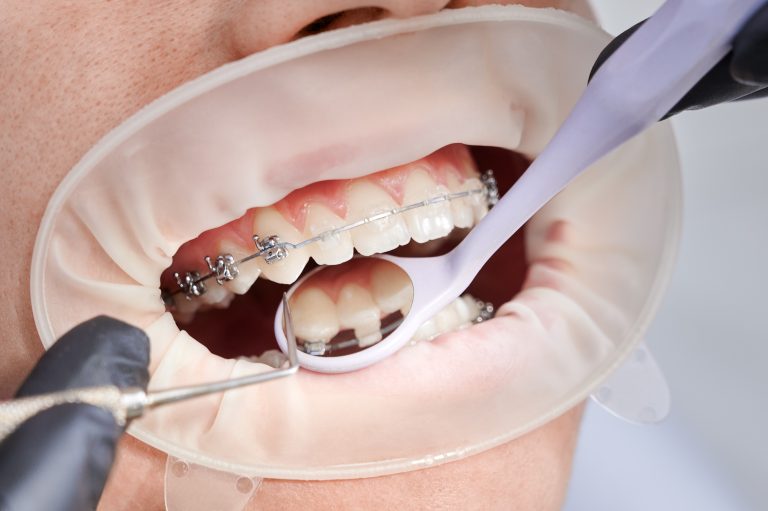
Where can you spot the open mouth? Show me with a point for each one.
(249, 149)
(232, 315)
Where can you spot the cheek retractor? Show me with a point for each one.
(633, 89)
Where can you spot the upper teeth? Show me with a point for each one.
(428, 218)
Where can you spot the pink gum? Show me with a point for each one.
(453, 159)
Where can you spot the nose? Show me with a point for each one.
(259, 24)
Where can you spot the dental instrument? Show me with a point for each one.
(741, 75)
(126, 404)
(633, 89)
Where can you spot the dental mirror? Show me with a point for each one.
(345, 309)
(659, 63)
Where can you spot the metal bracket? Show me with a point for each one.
(224, 268)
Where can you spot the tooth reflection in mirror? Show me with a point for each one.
(340, 310)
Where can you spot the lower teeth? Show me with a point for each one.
(462, 313)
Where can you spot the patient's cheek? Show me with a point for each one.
(530, 473)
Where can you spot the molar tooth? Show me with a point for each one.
(391, 289)
(428, 222)
(335, 249)
(364, 200)
(268, 221)
(248, 272)
(357, 310)
(314, 315)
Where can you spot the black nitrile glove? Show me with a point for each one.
(742, 74)
(59, 459)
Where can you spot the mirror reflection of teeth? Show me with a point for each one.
(437, 222)
(461, 313)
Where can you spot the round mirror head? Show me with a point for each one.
(344, 309)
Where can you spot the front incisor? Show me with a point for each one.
(357, 310)
(314, 315)
(429, 222)
(391, 288)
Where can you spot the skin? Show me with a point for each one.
(74, 70)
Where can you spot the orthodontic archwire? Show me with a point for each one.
(226, 268)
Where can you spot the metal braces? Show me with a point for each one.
(225, 267)
(487, 311)
(321, 348)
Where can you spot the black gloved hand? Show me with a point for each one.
(742, 74)
(59, 459)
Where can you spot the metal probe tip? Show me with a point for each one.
(290, 336)
(167, 396)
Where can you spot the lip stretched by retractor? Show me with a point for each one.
(382, 95)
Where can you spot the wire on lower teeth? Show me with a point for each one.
(226, 268)
(321, 348)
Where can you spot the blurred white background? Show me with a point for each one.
(710, 336)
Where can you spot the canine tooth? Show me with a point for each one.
(391, 288)
(268, 221)
(365, 199)
(314, 315)
(334, 249)
(248, 271)
(428, 222)
(357, 310)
